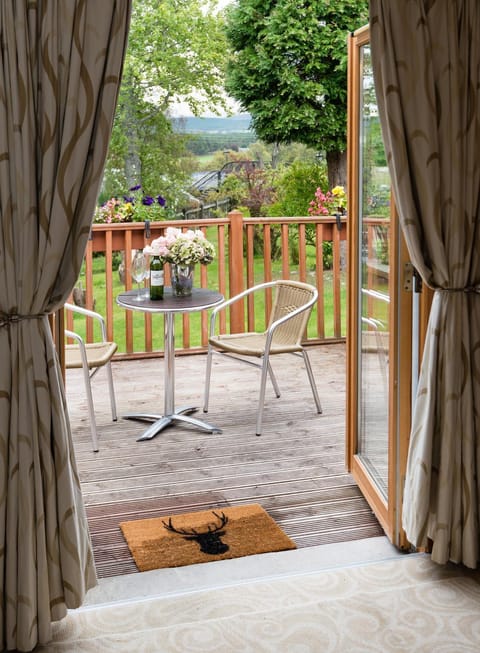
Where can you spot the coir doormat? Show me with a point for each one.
(190, 538)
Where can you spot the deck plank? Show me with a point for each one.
(295, 469)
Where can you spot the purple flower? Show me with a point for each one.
(133, 188)
(147, 200)
(161, 200)
(130, 199)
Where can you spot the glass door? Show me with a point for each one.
(379, 333)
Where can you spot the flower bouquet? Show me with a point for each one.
(182, 249)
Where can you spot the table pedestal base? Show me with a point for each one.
(162, 421)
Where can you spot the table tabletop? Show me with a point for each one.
(200, 299)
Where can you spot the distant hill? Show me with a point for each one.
(239, 123)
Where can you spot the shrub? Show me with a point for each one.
(297, 185)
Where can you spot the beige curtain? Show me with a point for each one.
(426, 62)
(60, 64)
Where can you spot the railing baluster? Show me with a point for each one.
(203, 284)
(267, 267)
(186, 331)
(337, 315)
(285, 252)
(267, 253)
(371, 274)
(250, 237)
(222, 285)
(109, 285)
(89, 302)
(235, 246)
(302, 253)
(128, 286)
(319, 278)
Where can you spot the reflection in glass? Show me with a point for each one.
(374, 241)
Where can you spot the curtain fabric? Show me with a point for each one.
(60, 66)
(426, 63)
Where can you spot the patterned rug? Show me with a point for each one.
(405, 605)
(194, 537)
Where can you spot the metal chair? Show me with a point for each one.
(292, 305)
(91, 357)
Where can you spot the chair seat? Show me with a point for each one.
(98, 354)
(91, 357)
(251, 344)
(286, 327)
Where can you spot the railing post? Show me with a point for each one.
(90, 300)
(235, 258)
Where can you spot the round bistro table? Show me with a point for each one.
(200, 300)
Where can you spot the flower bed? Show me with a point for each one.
(137, 206)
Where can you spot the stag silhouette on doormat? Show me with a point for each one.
(209, 541)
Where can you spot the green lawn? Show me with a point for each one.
(195, 318)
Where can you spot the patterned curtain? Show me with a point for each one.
(426, 62)
(60, 66)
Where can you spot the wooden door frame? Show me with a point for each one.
(388, 512)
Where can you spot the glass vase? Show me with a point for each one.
(182, 279)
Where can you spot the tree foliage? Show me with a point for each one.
(177, 49)
(288, 68)
(176, 52)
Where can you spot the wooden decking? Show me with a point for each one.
(295, 470)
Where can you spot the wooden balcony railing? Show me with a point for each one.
(249, 251)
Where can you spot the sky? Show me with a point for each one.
(181, 109)
(223, 3)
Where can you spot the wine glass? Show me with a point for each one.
(139, 271)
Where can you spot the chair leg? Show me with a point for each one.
(208, 374)
(91, 409)
(111, 390)
(261, 401)
(312, 380)
(273, 379)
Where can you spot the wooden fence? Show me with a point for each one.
(290, 248)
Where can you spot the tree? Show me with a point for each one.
(288, 68)
(176, 52)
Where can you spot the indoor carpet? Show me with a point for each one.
(404, 605)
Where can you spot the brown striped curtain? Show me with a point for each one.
(426, 62)
(60, 66)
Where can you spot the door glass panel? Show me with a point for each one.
(373, 325)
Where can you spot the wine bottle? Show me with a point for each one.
(156, 278)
